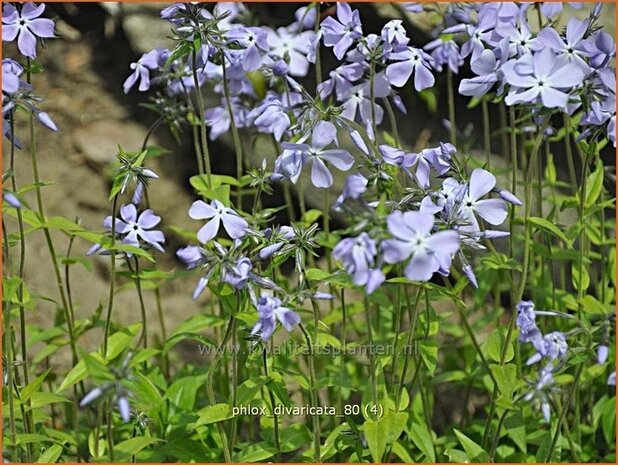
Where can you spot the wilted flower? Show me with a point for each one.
(270, 310)
(358, 256)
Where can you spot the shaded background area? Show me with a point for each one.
(82, 89)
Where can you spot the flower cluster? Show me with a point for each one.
(571, 70)
(551, 347)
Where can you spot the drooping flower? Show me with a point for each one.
(238, 274)
(341, 80)
(541, 77)
(487, 69)
(358, 256)
(412, 232)
(341, 33)
(602, 354)
(218, 118)
(26, 25)
(553, 347)
(270, 310)
(11, 70)
(355, 186)
(148, 62)
(445, 53)
(315, 153)
(217, 213)
(271, 116)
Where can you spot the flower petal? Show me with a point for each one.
(200, 210)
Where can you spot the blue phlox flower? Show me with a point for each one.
(541, 77)
(413, 238)
(341, 33)
(217, 213)
(358, 256)
(270, 310)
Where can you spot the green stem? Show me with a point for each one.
(235, 135)
(393, 121)
(413, 311)
(314, 396)
(212, 399)
(372, 362)
(486, 132)
(451, 107)
(143, 339)
(272, 406)
(565, 409)
(372, 98)
(569, 151)
(318, 59)
(519, 292)
(48, 239)
(200, 117)
(112, 277)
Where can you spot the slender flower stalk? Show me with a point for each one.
(205, 163)
(314, 395)
(112, 277)
(235, 135)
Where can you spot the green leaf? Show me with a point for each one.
(176, 338)
(594, 185)
(51, 455)
(134, 445)
(506, 377)
(608, 421)
(311, 216)
(429, 354)
(421, 437)
(295, 437)
(40, 399)
(75, 375)
(499, 261)
(34, 386)
(516, 429)
(315, 274)
(551, 228)
(474, 452)
(120, 341)
(494, 346)
(550, 170)
(254, 453)
(248, 389)
(214, 414)
(383, 431)
(583, 280)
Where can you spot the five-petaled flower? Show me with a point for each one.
(217, 213)
(26, 25)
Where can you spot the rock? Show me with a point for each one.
(98, 141)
